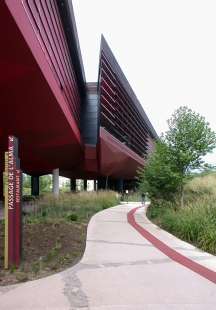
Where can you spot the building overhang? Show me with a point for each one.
(68, 21)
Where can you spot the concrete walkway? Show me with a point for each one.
(121, 269)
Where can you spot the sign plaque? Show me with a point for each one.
(13, 205)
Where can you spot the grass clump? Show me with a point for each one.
(12, 268)
(70, 206)
(73, 217)
(196, 221)
(21, 276)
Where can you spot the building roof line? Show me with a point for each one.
(69, 25)
(124, 82)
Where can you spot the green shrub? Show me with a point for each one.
(153, 212)
(12, 268)
(157, 209)
(207, 239)
(36, 266)
(44, 213)
(73, 217)
(196, 221)
(28, 198)
(182, 225)
(106, 205)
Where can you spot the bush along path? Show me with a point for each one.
(196, 221)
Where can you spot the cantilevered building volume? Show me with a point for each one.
(64, 125)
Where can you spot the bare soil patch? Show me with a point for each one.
(48, 248)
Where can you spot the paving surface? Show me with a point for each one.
(121, 269)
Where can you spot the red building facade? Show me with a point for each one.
(88, 131)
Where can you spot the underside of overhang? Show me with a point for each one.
(115, 159)
(33, 108)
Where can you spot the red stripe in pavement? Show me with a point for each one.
(179, 258)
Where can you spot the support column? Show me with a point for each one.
(35, 186)
(55, 174)
(101, 183)
(107, 181)
(119, 185)
(73, 185)
(96, 185)
(85, 185)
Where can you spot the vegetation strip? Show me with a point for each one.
(179, 258)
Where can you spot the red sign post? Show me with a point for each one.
(14, 205)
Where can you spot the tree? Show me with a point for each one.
(79, 185)
(189, 138)
(26, 180)
(158, 178)
(179, 151)
(45, 182)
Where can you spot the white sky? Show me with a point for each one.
(166, 49)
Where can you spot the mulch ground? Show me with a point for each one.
(48, 248)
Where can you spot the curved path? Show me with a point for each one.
(129, 263)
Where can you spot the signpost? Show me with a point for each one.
(6, 210)
(13, 205)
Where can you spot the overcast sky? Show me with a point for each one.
(166, 49)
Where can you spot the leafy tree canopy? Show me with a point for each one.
(158, 178)
(176, 154)
(26, 180)
(190, 138)
(45, 182)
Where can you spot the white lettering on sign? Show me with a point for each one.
(10, 158)
(10, 176)
(10, 195)
(17, 188)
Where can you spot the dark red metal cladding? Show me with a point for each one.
(42, 84)
(40, 101)
(115, 159)
(44, 19)
(118, 112)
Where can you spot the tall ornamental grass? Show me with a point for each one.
(196, 221)
(83, 205)
(132, 196)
